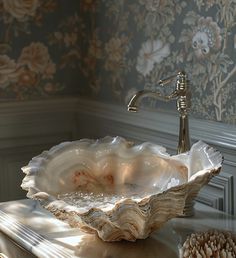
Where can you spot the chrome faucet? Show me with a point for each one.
(182, 96)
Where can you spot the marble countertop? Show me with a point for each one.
(30, 226)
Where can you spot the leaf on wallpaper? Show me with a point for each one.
(198, 69)
(189, 57)
(70, 59)
(213, 70)
(185, 35)
(226, 58)
(21, 28)
(180, 6)
(209, 68)
(5, 48)
(171, 39)
(191, 18)
(130, 64)
(224, 61)
(166, 32)
(218, 15)
(230, 16)
(8, 71)
(223, 67)
(226, 13)
(171, 61)
(49, 5)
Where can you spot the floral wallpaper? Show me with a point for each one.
(108, 49)
(38, 49)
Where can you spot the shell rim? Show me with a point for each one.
(49, 200)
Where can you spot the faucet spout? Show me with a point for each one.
(138, 96)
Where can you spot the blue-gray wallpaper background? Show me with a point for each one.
(108, 49)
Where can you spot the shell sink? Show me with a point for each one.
(117, 189)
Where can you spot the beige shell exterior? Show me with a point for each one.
(171, 182)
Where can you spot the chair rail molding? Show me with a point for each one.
(162, 128)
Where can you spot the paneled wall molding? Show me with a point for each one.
(38, 106)
(29, 122)
(217, 133)
(219, 192)
(211, 200)
(224, 183)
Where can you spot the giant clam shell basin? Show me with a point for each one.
(116, 189)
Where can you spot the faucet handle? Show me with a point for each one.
(181, 86)
(167, 80)
(181, 78)
(184, 104)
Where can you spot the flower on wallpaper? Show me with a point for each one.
(8, 71)
(206, 4)
(95, 47)
(26, 77)
(20, 9)
(36, 58)
(206, 37)
(151, 52)
(115, 50)
(70, 39)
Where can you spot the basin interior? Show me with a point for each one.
(100, 175)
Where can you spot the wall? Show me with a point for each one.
(106, 50)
